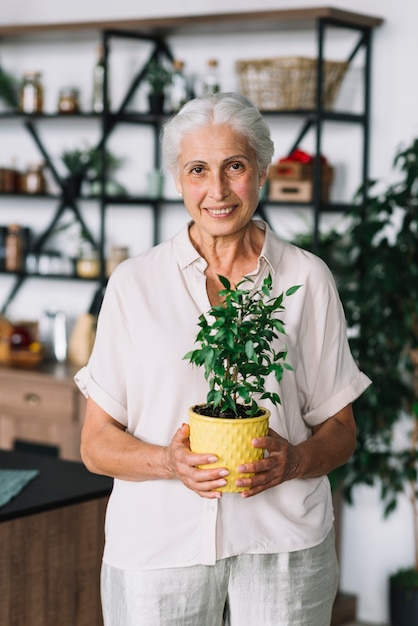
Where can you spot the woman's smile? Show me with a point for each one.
(221, 211)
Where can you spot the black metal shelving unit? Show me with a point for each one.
(157, 32)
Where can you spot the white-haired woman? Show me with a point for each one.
(178, 552)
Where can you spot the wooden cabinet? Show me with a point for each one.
(44, 590)
(42, 408)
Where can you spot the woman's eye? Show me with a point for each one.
(236, 166)
(197, 169)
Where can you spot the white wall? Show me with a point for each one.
(372, 548)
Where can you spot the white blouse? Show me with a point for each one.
(137, 374)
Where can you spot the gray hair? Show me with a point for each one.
(221, 108)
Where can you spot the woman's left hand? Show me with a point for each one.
(277, 467)
(332, 443)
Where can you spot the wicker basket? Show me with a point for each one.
(288, 83)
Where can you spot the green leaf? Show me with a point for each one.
(250, 351)
(225, 282)
(292, 290)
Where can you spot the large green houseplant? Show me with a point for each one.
(239, 346)
(376, 267)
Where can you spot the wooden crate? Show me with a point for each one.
(284, 190)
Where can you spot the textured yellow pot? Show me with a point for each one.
(229, 440)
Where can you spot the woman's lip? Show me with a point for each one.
(219, 211)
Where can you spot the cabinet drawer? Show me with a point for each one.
(39, 399)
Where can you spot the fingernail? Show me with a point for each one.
(212, 459)
(223, 472)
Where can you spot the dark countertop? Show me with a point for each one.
(59, 483)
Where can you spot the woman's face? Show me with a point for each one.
(219, 180)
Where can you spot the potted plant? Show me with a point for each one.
(77, 162)
(86, 164)
(158, 76)
(376, 267)
(239, 347)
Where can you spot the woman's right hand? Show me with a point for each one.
(106, 448)
(184, 466)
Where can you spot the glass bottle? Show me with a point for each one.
(31, 93)
(13, 261)
(98, 98)
(211, 79)
(178, 89)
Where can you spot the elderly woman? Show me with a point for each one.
(178, 552)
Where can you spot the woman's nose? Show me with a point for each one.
(219, 187)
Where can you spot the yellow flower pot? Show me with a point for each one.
(228, 439)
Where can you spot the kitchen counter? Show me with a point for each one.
(51, 542)
(59, 483)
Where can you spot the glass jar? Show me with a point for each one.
(31, 93)
(9, 180)
(88, 264)
(68, 101)
(33, 180)
(117, 255)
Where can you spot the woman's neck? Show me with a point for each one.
(232, 257)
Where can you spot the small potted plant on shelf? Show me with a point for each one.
(77, 162)
(158, 76)
(240, 347)
(86, 164)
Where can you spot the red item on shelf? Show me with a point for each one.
(300, 156)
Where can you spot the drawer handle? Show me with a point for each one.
(32, 398)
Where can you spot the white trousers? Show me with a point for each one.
(289, 589)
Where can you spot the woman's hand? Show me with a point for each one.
(332, 443)
(106, 448)
(278, 466)
(183, 465)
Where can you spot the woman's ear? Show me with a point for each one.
(178, 186)
(262, 178)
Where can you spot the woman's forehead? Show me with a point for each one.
(215, 139)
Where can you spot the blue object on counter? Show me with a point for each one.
(13, 481)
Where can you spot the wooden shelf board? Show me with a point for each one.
(251, 20)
